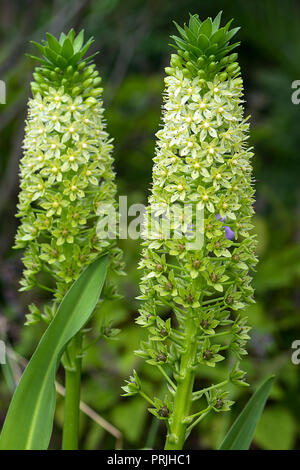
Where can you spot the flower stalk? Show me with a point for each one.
(184, 390)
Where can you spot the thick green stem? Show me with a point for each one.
(72, 398)
(183, 397)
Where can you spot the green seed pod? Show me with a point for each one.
(224, 60)
(169, 70)
(87, 83)
(191, 67)
(175, 60)
(201, 73)
(223, 76)
(201, 61)
(212, 66)
(97, 81)
(66, 172)
(202, 161)
(232, 67)
(70, 70)
(233, 57)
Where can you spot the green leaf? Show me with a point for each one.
(38, 59)
(206, 27)
(227, 26)
(53, 43)
(67, 49)
(242, 431)
(71, 35)
(232, 33)
(87, 45)
(62, 37)
(216, 22)
(61, 62)
(271, 436)
(181, 31)
(39, 47)
(122, 418)
(180, 42)
(202, 42)
(50, 54)
(218, 37)
(194, 24)
(190, 35)
(78, 41)
(29, 420)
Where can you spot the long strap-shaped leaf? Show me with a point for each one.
(29, 420)
(242, 431)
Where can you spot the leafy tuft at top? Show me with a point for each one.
(205, 38)
(68, 50)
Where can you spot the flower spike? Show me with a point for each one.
(192, 296)
(66, 171)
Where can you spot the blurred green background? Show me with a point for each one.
(133, 38)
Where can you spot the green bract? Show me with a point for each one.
(192, 297)
(66, 171)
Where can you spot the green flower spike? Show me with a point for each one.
(66, 171)
(192, 297)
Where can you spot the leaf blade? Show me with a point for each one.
(242, 431)
(28, 423)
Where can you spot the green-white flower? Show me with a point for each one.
(192, 297)
(66, 172)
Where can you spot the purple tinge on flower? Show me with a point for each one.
(218, 217)
(229, 234)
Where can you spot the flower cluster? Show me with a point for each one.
(66, 171)
(192, 297)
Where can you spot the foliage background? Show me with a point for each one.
(133, 38)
